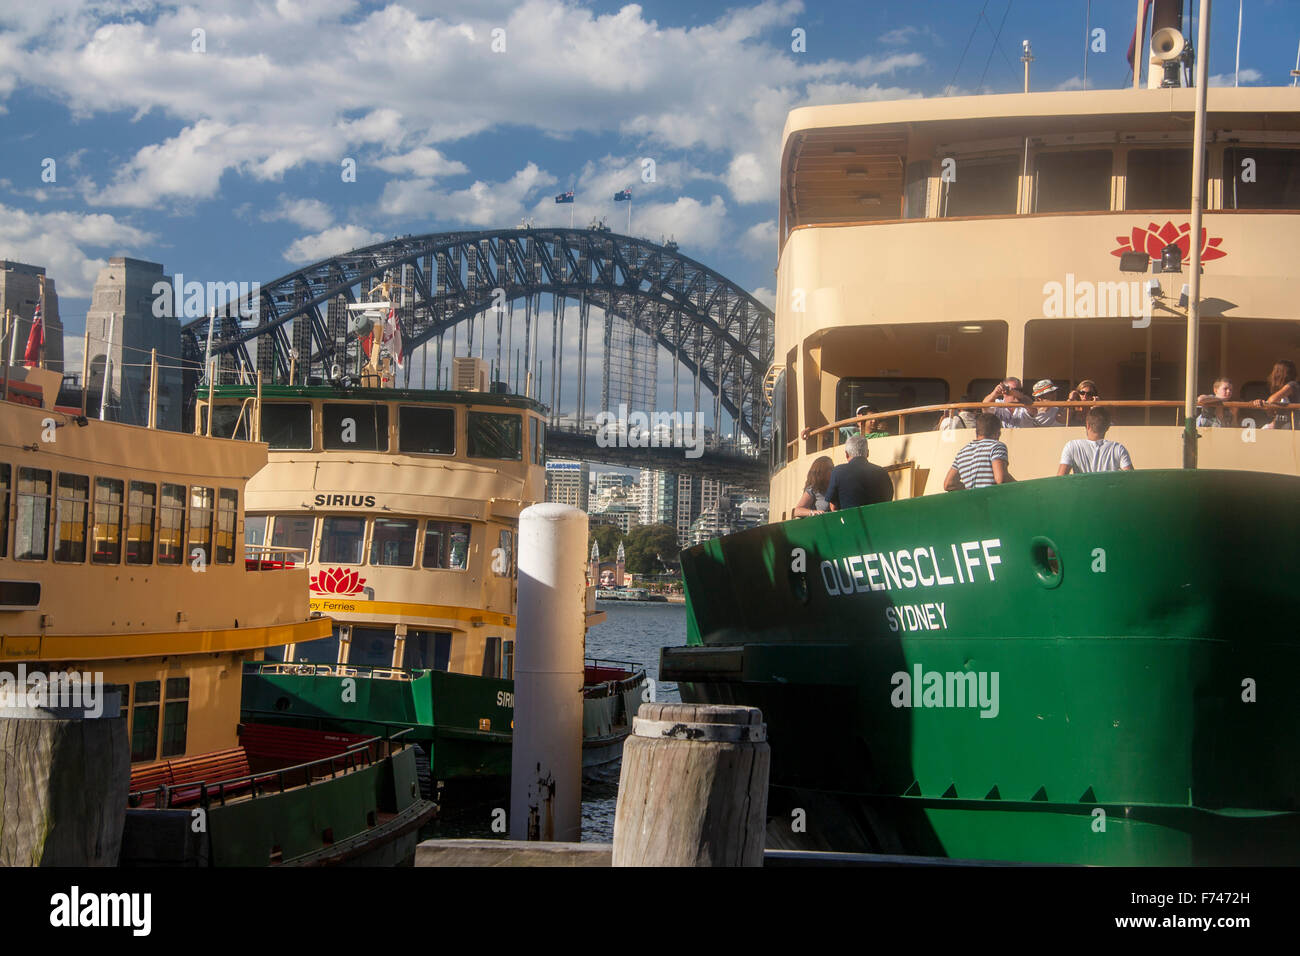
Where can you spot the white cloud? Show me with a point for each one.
(765, 295)
(751, 179)
(59, 240)
(425, 162)
(1248, 76)
(690, 222)
(330, 242)
(307, 213)
(759, 240)
(481, 204)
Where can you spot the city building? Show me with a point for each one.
(623, 517)
(121, 329)
(568, 482)
(19, 292)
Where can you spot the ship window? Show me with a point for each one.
(227, 516)
(323, 650)
(778, 449)
(293, 531)
(392, 543)
(1076, 181)
(1272, 181)
(32, 533)
(508, 660)
(341, 540)
(503, 562)
(492, 657)
(286, 426)
(108, 521)
(224, 418)
(144, 721)
(140, 505)
(1158, 179)
(176, 716)
(6, 472)
(371, 647)
(495, 436)
(446, 545)
(275, 653)
(348, 427)
(70, 517)
(534, 443)
(255, 530)
(426, 431)
(123, 692)
(982, 187)
(887, 393)
(427, 650)
(201, 522)
(171, 525)
(918, 181)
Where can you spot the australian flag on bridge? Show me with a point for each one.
(624, 196)
(565, 197)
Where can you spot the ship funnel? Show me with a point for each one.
(1168, 49)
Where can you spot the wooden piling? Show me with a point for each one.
(693, 788)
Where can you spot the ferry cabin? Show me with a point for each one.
(122, 556)
(928, 248)
(406, 504)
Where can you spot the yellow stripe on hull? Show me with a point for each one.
(89, 647)
(341, 608)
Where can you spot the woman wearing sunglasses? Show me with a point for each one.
(1086, 392)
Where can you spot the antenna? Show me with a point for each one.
(1026, 58)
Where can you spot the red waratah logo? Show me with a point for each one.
(1153, 239)
(338, 581)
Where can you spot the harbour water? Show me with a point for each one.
(632, 632)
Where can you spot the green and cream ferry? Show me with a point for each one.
(1088, 669)
(406, 504)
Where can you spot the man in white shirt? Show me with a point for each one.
(1096, 452)
(1018, 411)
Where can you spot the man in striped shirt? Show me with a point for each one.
(984, 461)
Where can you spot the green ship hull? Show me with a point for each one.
(462, 723)
(1093, 669)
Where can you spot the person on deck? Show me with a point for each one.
(1210, 412)
(1087, 391)
(983, 462)
(1096, 452)
(858, 482)
(813, 501)
(1283, 390)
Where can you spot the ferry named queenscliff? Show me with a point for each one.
(1092, 668)
(406, 503)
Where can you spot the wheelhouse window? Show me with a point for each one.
(508, 660)
(224, 419)
(32, 534)
(201, 521)
(492, 435)
(426, 431)
(171, 525)
(982, 187)
(144, 721)
(503, 561)
(392, 542)
(427, 650)
(142, 498)
(354, 427)
(372, 647)
(446, 545)
(70, 517)
(323, 650)
(1261, 178)
(341, 540)
(1158, 179)
(1072, 181)
(492, 657)
(534, 441)
(255, 530)
(108, 521)
(176, 716)
(286, 425)
(227, 517)
(293, 531)
(6, 478)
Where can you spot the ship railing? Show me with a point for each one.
(357, 756)
(311, 669)
(259, 557)
(828, 436)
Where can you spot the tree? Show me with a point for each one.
(649, 548)
(607, 536)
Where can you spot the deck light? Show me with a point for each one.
(1171, 259)
(1154, 288)
(1134, 262)
(970, 328)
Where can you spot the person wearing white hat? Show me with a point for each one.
(1044, 388)
(1018, 411)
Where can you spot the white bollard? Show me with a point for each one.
(546, 757)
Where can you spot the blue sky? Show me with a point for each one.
(225, 164)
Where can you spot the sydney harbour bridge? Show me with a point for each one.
(647, 296)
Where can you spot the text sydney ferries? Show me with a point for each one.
(905, 569)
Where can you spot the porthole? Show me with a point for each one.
(1045, 558)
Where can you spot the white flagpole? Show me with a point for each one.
(1237, 74)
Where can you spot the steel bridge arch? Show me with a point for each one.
(711, 326)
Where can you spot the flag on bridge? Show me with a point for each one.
(565, 197)
(624, 196)
(35, 340)
(392, 340)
